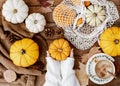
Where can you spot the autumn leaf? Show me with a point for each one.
(45, 10)
(46, 3)
(57, 2)
(92, 51)
(82, 75)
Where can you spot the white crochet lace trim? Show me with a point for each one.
(84, 36)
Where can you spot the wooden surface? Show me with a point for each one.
(34, 6)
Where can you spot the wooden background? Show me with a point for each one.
(34, 6)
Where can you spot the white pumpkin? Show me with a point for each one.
(15, 11)
(95, 15)
(35, 22)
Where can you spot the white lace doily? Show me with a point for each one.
(84, 37)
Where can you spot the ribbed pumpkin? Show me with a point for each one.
(24, 52)
(63, 15)
(59, 49)
(110, 41)
(35, 22)
(15, 11)
(95, 15)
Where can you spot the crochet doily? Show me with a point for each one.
(84, 36)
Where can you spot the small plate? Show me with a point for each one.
(90, 68)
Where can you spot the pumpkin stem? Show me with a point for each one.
(116, 41)
(95, 14)
(36, 21)
(60, 50)
(22, 51)
(15, 11)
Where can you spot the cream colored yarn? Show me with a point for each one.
(63, 15)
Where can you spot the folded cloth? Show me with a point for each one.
(52, 76)
(9, 33)
(60, 73)
(67, 72)
(17, 29)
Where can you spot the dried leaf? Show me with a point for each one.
(51, 2)
(82, 75)
(57, 2)
(92, 51)
(49, 18)
(46, 3)
(46, 10)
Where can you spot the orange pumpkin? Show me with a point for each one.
(110, 41)
(24, 52)
(59, 49)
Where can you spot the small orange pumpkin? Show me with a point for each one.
(24, 52)
(87, 3)
(59, 49)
